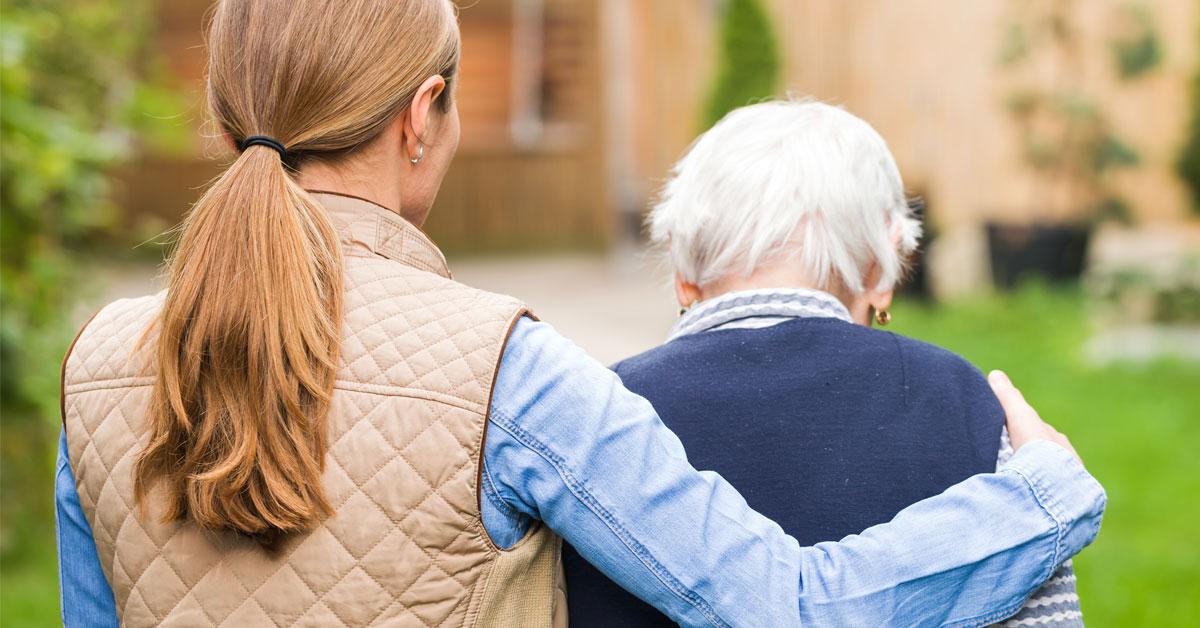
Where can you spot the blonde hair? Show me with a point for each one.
(795, 180)
(249, 335)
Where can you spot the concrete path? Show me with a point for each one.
(613, 306)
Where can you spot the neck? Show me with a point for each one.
(777, 277)
(363, 181)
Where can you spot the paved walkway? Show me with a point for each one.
(613, 306)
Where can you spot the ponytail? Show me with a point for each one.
(248, 338)
(246, 357)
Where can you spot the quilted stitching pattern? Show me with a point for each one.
(418, 358)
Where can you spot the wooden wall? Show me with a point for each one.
(509, 192)
(621, 84)
(924, 73)
(545, 190)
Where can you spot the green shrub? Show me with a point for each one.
(748, 66)
(72, 106)
(1189, 158)
(1163, 293)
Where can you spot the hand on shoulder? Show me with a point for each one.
(1024, 423)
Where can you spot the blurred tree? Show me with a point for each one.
(73, 101)
(748, 67)
(1189, 158)
(1066, 138)
(1139, 50)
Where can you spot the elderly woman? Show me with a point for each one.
(788, 229)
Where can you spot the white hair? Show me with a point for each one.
(795, 180)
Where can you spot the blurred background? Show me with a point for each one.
(1053, 147)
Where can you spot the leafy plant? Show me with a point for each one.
(748, 66)
(1163, 294)
(1189, 157)
(72, 106)
(1140, 49)
(1066, 138)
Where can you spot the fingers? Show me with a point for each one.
(1024, 424)
(1011, 399)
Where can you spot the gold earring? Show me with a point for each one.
(883, 317)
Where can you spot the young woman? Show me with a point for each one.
(314, 425)
(788, 230)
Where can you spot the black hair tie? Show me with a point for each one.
(263, 140)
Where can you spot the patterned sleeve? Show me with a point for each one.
(1056, 603)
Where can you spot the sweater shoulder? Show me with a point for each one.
(936, 377)
(930, 373)
(927, 359)
(927, 363)
(649, 363)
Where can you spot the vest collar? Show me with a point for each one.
(367, 228)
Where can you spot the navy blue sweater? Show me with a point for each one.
(824, 426)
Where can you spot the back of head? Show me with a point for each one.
(248, 339)
(799, 180)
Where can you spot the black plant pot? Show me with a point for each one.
(1054, 252)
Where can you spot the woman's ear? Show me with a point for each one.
(418, 118)
(686, 293)
(881, 300)
(876, 298)
(871, 299)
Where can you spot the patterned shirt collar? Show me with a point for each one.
(758, 308)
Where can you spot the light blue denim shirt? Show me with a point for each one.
(568, 445)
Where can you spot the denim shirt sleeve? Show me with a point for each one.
(87, 598)
(1056, 603)
(568, 445)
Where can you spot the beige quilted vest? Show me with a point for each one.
(406, 546)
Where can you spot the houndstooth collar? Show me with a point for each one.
(758, 308)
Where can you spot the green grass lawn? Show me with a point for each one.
(1137, 428)
(29, 587)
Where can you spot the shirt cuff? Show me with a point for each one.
(1065, 490)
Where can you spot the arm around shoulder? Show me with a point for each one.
(569, 445)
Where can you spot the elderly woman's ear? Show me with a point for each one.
(870, 305)
(873, 304)
(880, 302)
(688, 294)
